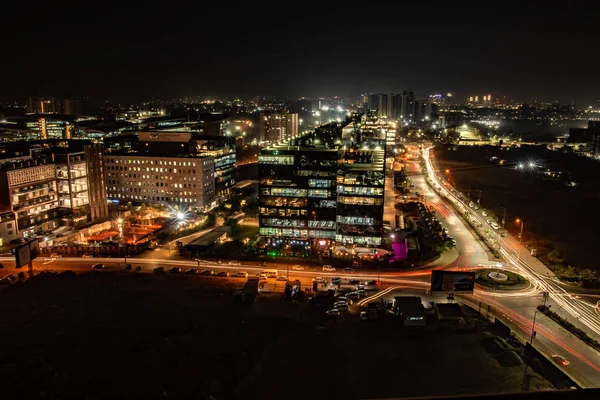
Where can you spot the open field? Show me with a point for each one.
(159, 336)
(556, 216)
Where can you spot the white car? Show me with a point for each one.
(234, 263)
(344, 299)
(328, 268)
(332, 313)
(363, 315)
(241, 274)
(282, 278)
(341, 306)
(495, 226)
(298, 268)
(319, 279)
(86, 256)
(484, 213)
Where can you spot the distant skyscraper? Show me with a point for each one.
(422, 110)
(384, 103)
(275, 127)
(395, 106)
(373, 102)
(77, 106)
(43, 105)
(594, 134)
(408, 104)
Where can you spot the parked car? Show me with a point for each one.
(341, 306)
(319, 279)
(363, 316)
(336, 280)
(175, 270)
(128, 267)
(362, 293)
(223, 274)
(328, 268)
(241, 274)
(344, 299)
(206, 272)
(484, 213)
(347, 269)
(335, 313)
(98, 266)
(298, 268)
(354, 282)
(159, 269)
(372, 283)
(282, 278)
(234, 263)
(353, 295)
(191, 271)
(1, 266)
(87, 256)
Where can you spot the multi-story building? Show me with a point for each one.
(77, 106)
(297, 195)
(182, 168)
(184, 181)
(30, 193)
(8, 227)
(275, 127)
(408, 105)
(314, 195)
(43, 105)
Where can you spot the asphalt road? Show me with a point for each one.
(518, 309)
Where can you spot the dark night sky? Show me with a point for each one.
(128, 53)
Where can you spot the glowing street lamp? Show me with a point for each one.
(520, 221)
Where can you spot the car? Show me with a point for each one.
(563, 361)
(241, 274)
(453, 241)
(341, 306)
(55, 255)
(354, 282)
(234, 263)
(298, 268)
(495, 226)
(282, 278)
(484, 213)
(223, 274)
(357, 263)
(334, 313)
(1, 266)
(347, 269)
(362, 293)
(344, 299)
(336, 280)
(175, 270)
(372, 283)
(328, 268)
(489, 221)
(138, 268)
(159, 269)
(191, 271)
(360, 287)
(319, 279)
(86, 256)
(207, 272)
(353, 295)
(128, 267)
(262, 277)
(364, 316)
(98, 266)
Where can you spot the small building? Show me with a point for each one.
(411, 310)
(450, 312)
(207, 241)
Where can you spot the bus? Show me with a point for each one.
(270, 273)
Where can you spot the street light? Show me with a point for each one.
(520, 221)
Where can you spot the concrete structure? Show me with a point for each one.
(275, 127)
(411, 310)
(77, 106)
(43, 105)
(8, 227)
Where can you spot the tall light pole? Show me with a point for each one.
(520, 221)
(479, 198)
(504, 218)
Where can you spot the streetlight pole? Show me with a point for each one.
(479, 198)
(533, 329)
(504, 218)
(522, 226)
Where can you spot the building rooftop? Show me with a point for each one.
(409, 305)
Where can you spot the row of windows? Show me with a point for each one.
(297, 233)
(155, 198)
(360, 190)
(363, 240)
(154, 177)
(295, 223)
(360, 201)
(151, 184)
(157, 169)
(172, 192)
(355, 220)
(284, 202)
(320, 183)
(152, 162)
(277, 160)
(282, 212)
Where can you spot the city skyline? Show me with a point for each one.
(522, 51)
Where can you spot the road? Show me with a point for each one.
(519, 309)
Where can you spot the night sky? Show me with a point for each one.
(128, 53)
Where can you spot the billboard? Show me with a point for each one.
(452, 282)
(26, 253)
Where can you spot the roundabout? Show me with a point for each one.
(493, 278)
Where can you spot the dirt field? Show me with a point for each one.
(556, 216)
(158, 336)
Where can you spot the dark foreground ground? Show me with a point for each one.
(98, 336)
(556, 216)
